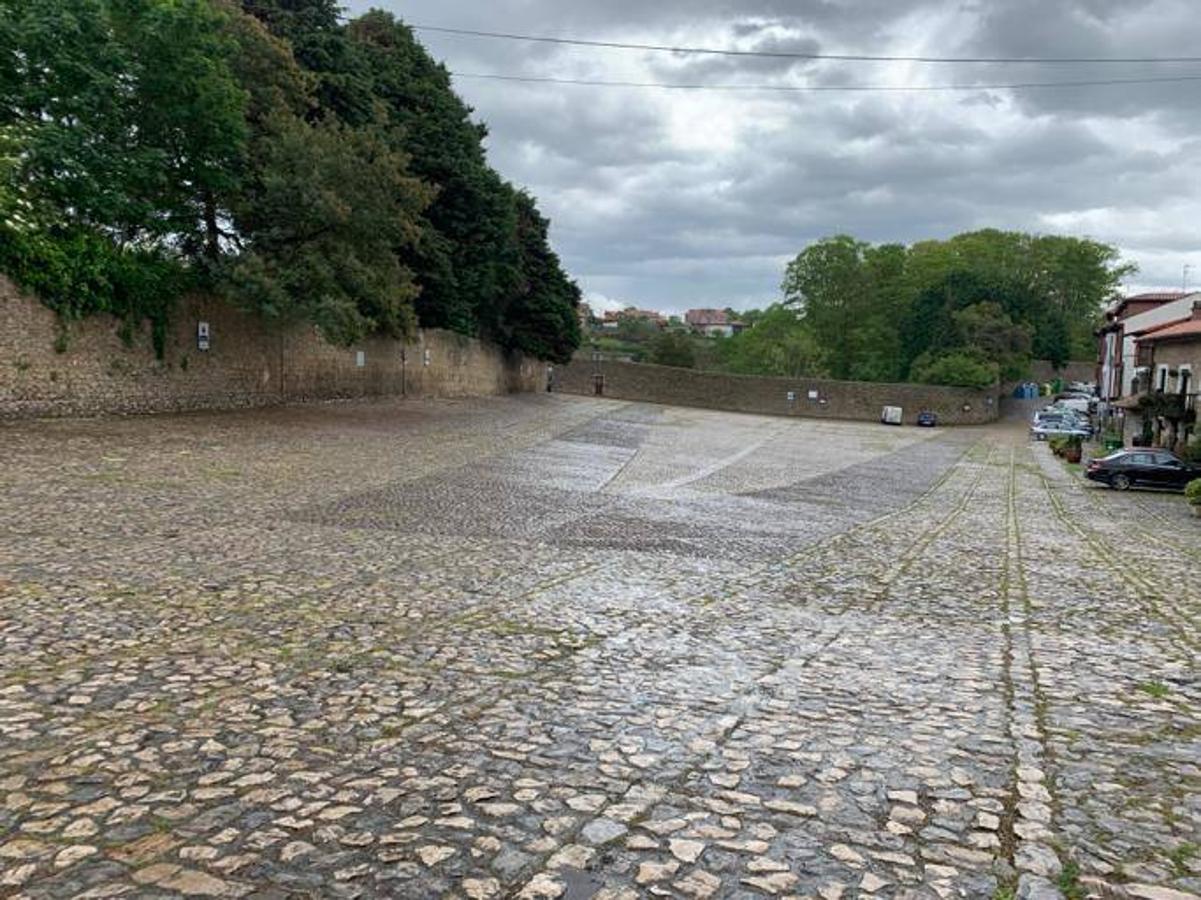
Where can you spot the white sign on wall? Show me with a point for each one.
(202, 335)
(360, 359)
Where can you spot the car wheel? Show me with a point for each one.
(1120, 482)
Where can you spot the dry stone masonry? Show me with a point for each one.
(89, 369)
(798, 397)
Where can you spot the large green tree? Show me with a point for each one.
(931, 325)
(779, 343)
(122, 126)
(539, 315)
(342, 80)
(986, 329)
(325, 209)
(321, 215)
(673, 348)
(308, 168)
(1065, 281)
(961, 367)
(473, 257)
(128, 115)
(465, 260)
(885, 312)
(849, 294)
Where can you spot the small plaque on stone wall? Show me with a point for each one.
(360, 359)
(202, 335)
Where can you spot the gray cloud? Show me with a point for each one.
(675, 199)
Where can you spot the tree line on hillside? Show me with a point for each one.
(967, 311)
(307, 168)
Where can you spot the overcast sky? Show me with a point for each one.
(672, 199)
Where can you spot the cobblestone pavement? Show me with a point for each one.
(552, 647)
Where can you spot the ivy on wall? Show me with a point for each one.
(78, 273)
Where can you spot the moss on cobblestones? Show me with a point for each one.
(1156, 689)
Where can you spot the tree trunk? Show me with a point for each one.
(212, 233)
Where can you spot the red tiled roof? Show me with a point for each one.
(1185, 328)
(706, 317)
(631, 313)
(1152, 329)
(1157, 296)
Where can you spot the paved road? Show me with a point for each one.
(545, 647)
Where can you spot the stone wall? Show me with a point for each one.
(92, 370)
(770, 396)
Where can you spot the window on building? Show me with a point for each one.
(1161, 379)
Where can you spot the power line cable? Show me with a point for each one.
(829, 88)
(781, 54)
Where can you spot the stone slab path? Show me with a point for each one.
(554, 647)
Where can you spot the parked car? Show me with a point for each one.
(1062, 406)
(1059, 412)
(1080, 404)
(927, 419)
(1066, 417)
(1045, 430)
(1150, 468)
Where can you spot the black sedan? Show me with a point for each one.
(1149, 468)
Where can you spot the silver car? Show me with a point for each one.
(1050, 428)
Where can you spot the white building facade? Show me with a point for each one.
(1172, 311)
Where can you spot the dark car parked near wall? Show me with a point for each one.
(1149, 468)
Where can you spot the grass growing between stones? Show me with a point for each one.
(1156, 689)
(1180, 858)
(1069, 882)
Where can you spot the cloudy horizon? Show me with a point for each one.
(677, 199)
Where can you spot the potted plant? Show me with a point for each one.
(1073, 449)
(1192, 493)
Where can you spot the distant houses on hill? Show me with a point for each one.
(612, 320)
(710, 322)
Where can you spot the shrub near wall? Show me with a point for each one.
(94, 370)
(770, 396)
